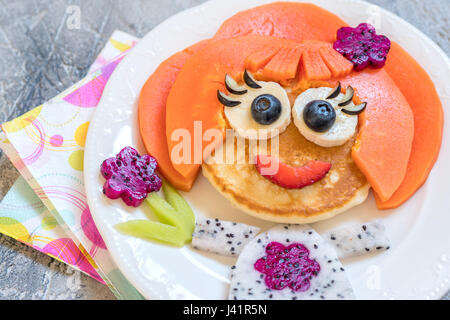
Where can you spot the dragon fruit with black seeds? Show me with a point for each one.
(362, 46)
(222, 237)
(130, 176)
(287, 266)
(310, 268)
(358, 239)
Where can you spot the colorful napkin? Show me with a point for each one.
(46, 208)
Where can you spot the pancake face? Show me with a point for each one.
(238, 180)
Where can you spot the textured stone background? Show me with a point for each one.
(40, 57)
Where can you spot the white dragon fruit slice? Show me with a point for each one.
(222, 237)
(289, 262)
(358, 239)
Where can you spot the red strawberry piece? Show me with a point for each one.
(290, 177)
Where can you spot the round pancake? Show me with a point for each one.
(238, 180)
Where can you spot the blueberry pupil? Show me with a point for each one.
(266, 109)
(319, 115)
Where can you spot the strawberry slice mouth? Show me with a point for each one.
(289, 177)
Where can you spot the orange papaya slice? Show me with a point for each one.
(314, 67)
(259, 59)
(152, 115)
(419, 91)
(386, 131)
(336, 63)
(284, 65)
(287, 20)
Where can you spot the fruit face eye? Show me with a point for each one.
(320, 117)
(256, 110)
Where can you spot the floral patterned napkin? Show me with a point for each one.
(46, 208)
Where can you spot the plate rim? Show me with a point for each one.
(89, 149)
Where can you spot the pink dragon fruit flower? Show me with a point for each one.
(287, 267)
(130, 176)
(362, 46)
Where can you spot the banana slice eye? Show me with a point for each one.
(258, 110)
(320, 118)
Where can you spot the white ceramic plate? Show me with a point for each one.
(417, 266)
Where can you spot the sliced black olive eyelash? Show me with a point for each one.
(349, 93)
(355, 110)
(250, 81)
(233, 87)
(335, 92)
(236, 89)
(226, 100)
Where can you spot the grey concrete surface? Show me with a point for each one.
(40, 56)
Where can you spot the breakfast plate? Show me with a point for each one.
(416, 267)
